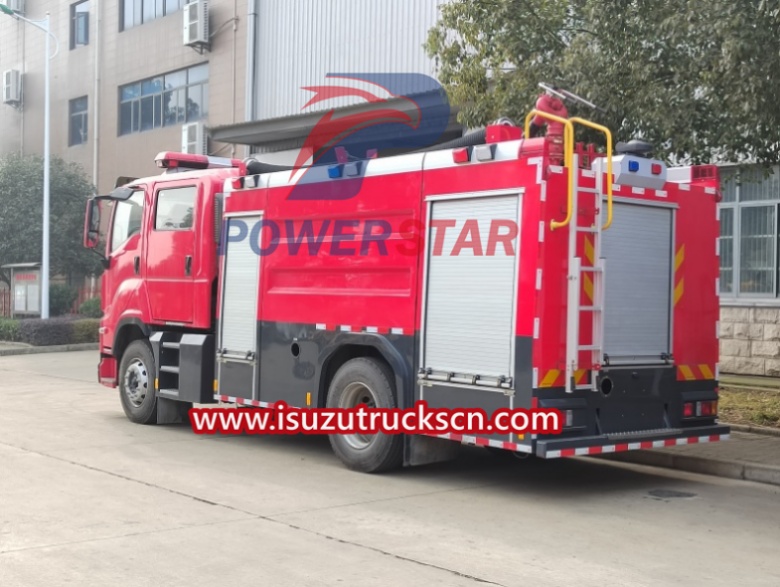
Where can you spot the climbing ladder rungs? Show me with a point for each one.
(589, 347)
(591, 309)
(587, 229)
(592, 269)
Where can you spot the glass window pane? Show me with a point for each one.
(757, 184)
(204, 105)
(757, 249)
(199, 73)
(193, 103)
(147, 113)
(151, 86)
(174, 106)
(726, 250)
(128, 21)
(130, 91)
(177, 79)
(148, 10)
(136, 115)
(172, 6)
(125, 118)
(175, 208)
(728, 185)
(159, 8)
(128, 217)
(158, 111)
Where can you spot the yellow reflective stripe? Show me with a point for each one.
(706, 372)
(549, 379)
(679, 257)
(686, 372)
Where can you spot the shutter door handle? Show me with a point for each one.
(188, 265)
(137, 265)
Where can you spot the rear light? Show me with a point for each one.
(703, 409)
(707, 409)
(656, 169)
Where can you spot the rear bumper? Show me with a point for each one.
(596, 445)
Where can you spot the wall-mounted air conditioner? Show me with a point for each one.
(194, 139)
(12, 87)
(196, 25)
(16, 5)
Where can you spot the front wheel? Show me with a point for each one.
(365, 381)
(136, 383)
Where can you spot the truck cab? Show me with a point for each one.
(160, 254)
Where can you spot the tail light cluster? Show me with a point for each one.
(701, 409)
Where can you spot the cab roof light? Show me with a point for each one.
(633, 166)
(656, 168)
(173, 160)
(335, 171)
(461, 155)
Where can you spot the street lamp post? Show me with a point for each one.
(43, 25)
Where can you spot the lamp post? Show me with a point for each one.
(43, 25)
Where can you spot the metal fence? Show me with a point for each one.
(84, 294)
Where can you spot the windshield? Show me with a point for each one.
(128, 215)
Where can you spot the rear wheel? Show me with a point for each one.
(365, 381)
(136, 383)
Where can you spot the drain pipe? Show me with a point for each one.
(96, 105)
(253, 16)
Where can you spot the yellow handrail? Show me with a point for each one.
(608, 134)
(568, 154)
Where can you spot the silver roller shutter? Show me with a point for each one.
(469, 326)
(240, 289)
(638, 252)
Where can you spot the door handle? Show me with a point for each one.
(137, 265)
(188, 265)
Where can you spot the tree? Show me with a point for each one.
(697, 78)
(21, 210)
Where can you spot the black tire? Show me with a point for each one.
(370, 453)
(136, 383)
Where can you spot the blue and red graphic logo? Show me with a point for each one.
(388, 113)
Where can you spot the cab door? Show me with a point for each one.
(172, 263)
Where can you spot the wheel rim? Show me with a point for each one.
(355, 394)
(136, 382)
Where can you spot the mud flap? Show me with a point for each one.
(172, 412)
(424, 450)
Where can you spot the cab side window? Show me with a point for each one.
(128, 217)
(175, 208)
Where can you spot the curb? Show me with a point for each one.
(754, 429)
(64, 348)
(729, 469)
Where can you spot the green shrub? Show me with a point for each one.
(61, 299)
(85, 330)
(91, 308)
(9, 330)
(39, 332)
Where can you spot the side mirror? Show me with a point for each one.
(92, 224)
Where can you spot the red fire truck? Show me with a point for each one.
(513, 271)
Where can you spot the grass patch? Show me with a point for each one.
(756, 407)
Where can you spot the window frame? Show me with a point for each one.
(159, 8)
(74, 17)
(84, 115)
(159, 96)
(737, 205)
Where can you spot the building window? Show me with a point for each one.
(749, 235)
(79, 120)
(79, 24)
(166, 100)
(137, 12)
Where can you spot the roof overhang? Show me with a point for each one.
(280, 133)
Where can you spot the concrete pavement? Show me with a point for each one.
(87, 498)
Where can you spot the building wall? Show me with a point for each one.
(300, 41)
(113, 58)
(750, 340)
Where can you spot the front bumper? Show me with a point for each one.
(595, 445)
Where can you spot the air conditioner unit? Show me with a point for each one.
(16, 5)
(194, 139)
(12, 86)
(196, 24)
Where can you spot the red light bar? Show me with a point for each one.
(173, 160)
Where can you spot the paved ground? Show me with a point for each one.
(86, 498)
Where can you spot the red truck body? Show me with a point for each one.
(453, 270)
